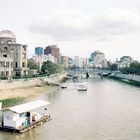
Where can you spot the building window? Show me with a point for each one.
(16, 64)
(11, 64)
(24, 56)
(4, 55)
(7, 64)
(9, 41)
(24, 72)
(18, 73)
(12, 50)
(5, 49)
(23, 64)
(24, 47)
(7, 73)
(2, 63)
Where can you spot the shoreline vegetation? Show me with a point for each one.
(130, 82)
(11, 101)
(126, 78)
(14, 96)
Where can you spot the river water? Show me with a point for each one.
(109, 110)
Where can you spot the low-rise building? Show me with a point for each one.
(39, 60)
(20, 117)
(125, 61)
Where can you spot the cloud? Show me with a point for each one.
(69, 25)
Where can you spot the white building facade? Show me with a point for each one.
(99, 59)
(125, 61)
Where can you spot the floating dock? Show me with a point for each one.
(27, 128)
(35, 124)
(24, 117)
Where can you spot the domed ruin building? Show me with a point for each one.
(13, 56)
(7, 37)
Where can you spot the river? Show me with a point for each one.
(109, 110)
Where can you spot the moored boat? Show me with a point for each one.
(82, 86)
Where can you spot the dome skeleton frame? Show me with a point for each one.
(7, 34)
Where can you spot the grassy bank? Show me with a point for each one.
(11, 101)
(16, 96)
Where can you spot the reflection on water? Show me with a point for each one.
(109, 110)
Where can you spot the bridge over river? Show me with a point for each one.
(113, 74)
(91, 72)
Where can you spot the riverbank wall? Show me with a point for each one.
(23, 83)
(128, 78)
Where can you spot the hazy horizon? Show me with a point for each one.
(77, 27)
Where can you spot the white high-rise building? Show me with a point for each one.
(76, 61)
(99, 59)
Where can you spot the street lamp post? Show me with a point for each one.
(83, 63)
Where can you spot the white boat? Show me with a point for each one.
(82, 87)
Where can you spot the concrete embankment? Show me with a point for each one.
(23, 83)
(129, 78)
(16, 91)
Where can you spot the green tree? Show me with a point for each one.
(114, 67)
(135, 64)
(50, 68)
(32, 64)
(133, 69)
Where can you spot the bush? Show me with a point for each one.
(3, 78)
(11, 101)
(16, 77)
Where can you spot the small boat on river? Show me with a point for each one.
(82, 86)
(75, 78)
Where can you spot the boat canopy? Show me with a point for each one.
(28, 106)
(82, 84)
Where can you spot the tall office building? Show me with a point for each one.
(38, 51)
(54, 51)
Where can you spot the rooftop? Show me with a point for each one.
(28, 106)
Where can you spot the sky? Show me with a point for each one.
(77, 27)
